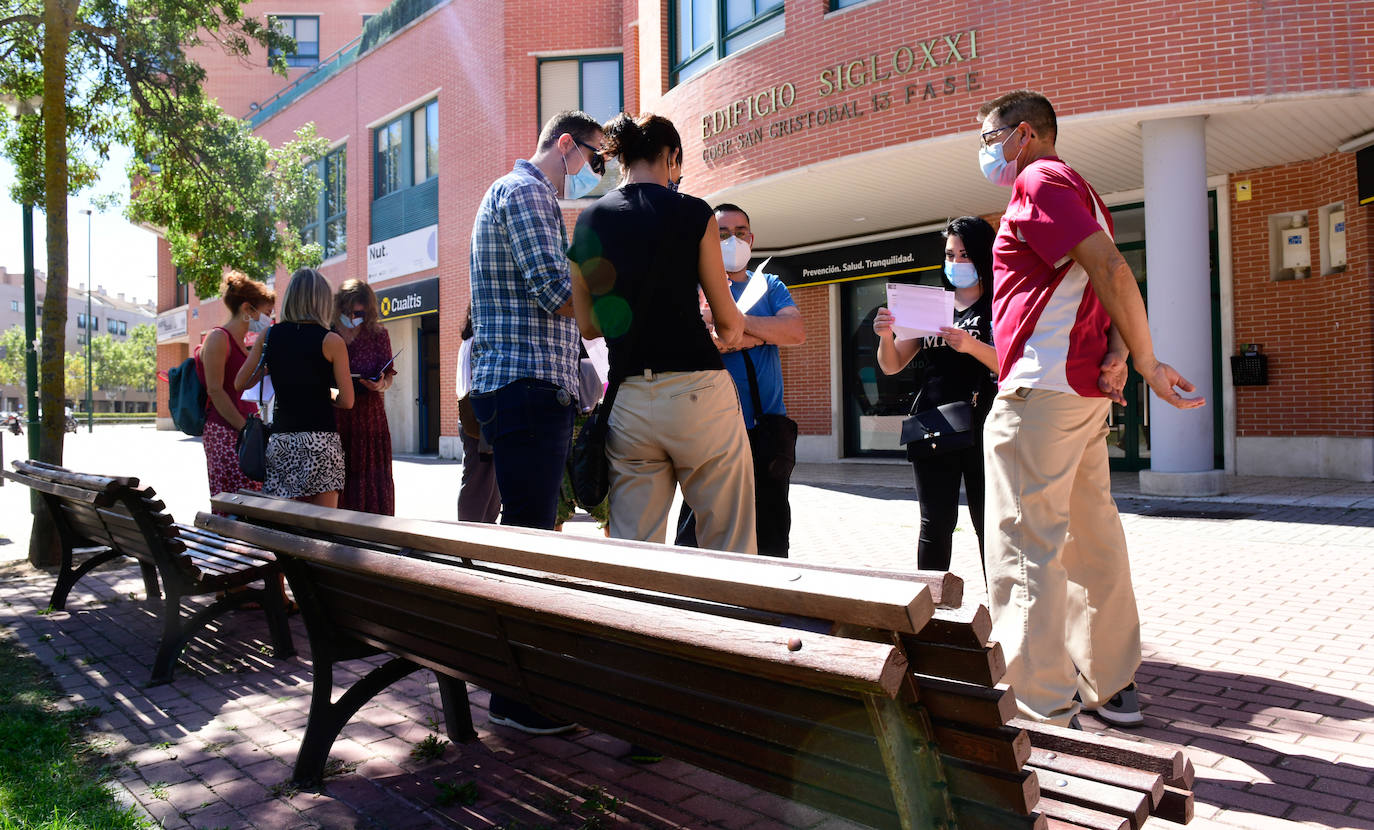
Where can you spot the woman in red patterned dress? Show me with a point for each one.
(366, 437)
(250, 306)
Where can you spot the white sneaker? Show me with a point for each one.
(1122, 710)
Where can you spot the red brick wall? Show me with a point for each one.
(1318, 333)
(482, 56)
(1088, 58)
(237, 82)
(806, 368)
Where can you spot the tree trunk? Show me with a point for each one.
(58, 18)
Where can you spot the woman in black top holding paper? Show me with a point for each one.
(638, 256)
(960, 365)
(307, 362)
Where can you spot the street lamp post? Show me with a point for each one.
(90, 405)
(18, 108)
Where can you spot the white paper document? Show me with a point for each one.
(919, 310)
(754, 291)
(251, 393)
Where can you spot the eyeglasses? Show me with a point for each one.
(990, 134)
(597, 161)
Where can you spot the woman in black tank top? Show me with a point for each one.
(307, 363)
(639, 256)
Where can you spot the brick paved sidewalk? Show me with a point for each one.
(1256, 616)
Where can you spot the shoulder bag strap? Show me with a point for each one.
(753, 386)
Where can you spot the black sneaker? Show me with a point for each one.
(505, 712)
(1123, 709)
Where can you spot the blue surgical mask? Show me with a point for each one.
(961, 274)
(996, 167)
(351, 322)
(259, 324)
(579, 184)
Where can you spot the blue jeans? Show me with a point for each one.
(528, 424)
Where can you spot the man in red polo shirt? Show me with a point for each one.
(1066, 311)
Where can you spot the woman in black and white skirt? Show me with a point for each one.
(307, 362)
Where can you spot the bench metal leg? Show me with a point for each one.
(328, 717)
(913, 766)
(453, 695)
(174, 639)
(176, 634)
(150, 583)
(274, 605)
(67, 576)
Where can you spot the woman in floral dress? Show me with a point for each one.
(366, 437)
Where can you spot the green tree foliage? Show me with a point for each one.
(118, 71)
(222, 197)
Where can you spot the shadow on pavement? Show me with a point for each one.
(1286, 734)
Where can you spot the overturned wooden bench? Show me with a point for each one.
(867, 694)
(104, 518)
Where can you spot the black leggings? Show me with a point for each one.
(937, 488)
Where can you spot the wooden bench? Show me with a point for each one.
(102, 518)
(864, 693)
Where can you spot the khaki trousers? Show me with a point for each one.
(1059, 581)
(681, 428)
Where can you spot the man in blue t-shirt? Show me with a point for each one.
(771, 320)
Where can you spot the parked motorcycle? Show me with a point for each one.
(71, 424)
(13, 424)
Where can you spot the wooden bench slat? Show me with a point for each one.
(1064, 814)
(1016, 792)
(984, 666)
(1129, 804)
(1176, 805)
(967, 703)
(963, 627)
(64, 491)
(862, 666)
(62, 475)
(974, 816)
(761, 582)
(1184, 780)
(1166, 761)
(1002, 748)
(1149, 783)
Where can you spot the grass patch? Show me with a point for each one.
(50, 778)
(430, 748)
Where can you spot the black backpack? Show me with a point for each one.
(186, 397)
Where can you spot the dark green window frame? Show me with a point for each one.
(329, 225)
(394, 164)
(307, 52)
(724, 40)
(836, 5)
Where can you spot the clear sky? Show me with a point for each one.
(124, 256)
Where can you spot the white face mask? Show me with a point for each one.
(259, 324)
(736, 253)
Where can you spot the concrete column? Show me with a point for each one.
(1176, 254)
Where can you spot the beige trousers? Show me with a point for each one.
(1059, 581)
(681, 428)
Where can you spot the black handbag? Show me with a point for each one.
(252, 441)
(937, 431)
(773, 439)
(589, 471)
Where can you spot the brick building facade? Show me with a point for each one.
(847, 130)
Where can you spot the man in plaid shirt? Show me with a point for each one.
(525, 340)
